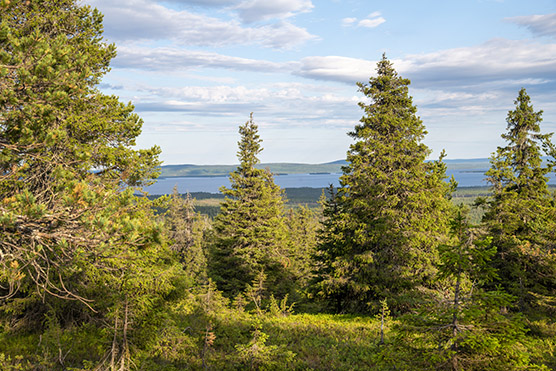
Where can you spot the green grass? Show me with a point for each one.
(230, 339)
(242, 341)
(294, 342)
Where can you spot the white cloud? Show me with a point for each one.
(202, 2)
(290, 104)
(224, 94)
(283, 35)
(499, 60)
(348, 21)
(254, 10)
(371, 23)
(336, 68)
(300, 95)
(141, 20)
(173, 59)
(495, 60)
(453, 101)
(373, 20)
(496, 64)
(541, 25)
(258, 10)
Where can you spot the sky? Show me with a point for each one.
(196, 69)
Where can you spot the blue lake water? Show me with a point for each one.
(212, 184)
(465, 178)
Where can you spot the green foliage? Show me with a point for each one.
(295, 342)
(258, 356)
(92, 278)
(485, 338)
(16, 364)
(303, 225)
(186, 231)
(521, 212)
(466, 254)
(384, 318)
(249, 231)
(254, 292)
(467, 327)
(382, 226)
(281, 308)
(84, 269)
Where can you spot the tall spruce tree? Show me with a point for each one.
(521, 216)
(392, 208)
(249, 231)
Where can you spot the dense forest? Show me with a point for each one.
(386, 273)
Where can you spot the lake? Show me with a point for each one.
(212, 184)
(465, 178)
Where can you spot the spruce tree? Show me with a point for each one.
(303, 224)
(186, 230)
(521, 215)
(249, 231)
(392, 208)
(465, 327)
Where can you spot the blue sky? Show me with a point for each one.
(195, 69)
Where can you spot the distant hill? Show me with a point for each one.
(468, 164)
(189, 170)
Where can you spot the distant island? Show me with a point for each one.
(335, 167)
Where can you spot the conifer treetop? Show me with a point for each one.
(518, 165)
(249, 145)
(391, 110)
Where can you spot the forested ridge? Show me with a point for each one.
(386, 273)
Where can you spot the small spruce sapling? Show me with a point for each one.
(467, 327)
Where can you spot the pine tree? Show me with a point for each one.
(392, 208)
(521, 215)
(249, 230)
(79, 253)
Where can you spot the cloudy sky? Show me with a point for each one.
(195, 69)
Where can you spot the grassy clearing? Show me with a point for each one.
(236, 340)
(295, 342)
(230, 339)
